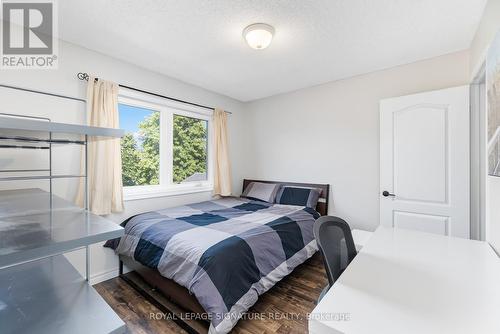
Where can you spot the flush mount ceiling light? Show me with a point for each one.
(258, 35)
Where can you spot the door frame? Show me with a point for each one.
(478, 156)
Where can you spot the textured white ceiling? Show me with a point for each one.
(316, 41)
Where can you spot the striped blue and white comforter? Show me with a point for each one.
(226, 252)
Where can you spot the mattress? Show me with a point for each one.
(226, 252)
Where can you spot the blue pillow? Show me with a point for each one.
(307, 197)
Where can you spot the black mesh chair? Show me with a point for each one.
(336, 245)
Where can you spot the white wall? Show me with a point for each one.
(74, 59)
(488, 27)
(330, 133)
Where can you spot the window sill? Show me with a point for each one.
(134, 195)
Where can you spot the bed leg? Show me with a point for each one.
(120, 268)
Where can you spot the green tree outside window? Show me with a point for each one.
(141, 155)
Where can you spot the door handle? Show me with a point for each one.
(385, 193)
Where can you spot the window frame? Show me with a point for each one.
(167, 110)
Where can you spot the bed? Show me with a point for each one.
(205, 264)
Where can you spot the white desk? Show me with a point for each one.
(411, 282)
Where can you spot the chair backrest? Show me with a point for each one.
(336, 245)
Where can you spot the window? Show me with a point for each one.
(140, 146)
(190, 149)
(166, 147)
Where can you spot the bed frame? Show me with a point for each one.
(174, 300)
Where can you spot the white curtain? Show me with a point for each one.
(222, 167)
(104, 155)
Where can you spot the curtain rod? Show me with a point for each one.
(85, 76)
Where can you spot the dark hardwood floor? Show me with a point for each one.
(283, 309)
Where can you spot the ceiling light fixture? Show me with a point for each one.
(258, 35)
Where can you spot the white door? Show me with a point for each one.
(425, 163)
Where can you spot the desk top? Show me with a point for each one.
(404, 281)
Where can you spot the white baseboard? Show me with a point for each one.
(103, 276)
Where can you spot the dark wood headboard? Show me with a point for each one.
(321, 207)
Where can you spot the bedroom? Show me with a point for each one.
(204, 111)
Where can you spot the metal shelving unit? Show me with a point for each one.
(37, 227)
(41, 177)
(49, 296)
(24, 123)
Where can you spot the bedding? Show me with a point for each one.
(226, 252)
(298, 196)
(261, 191)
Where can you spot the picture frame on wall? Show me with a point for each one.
(493, 105)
